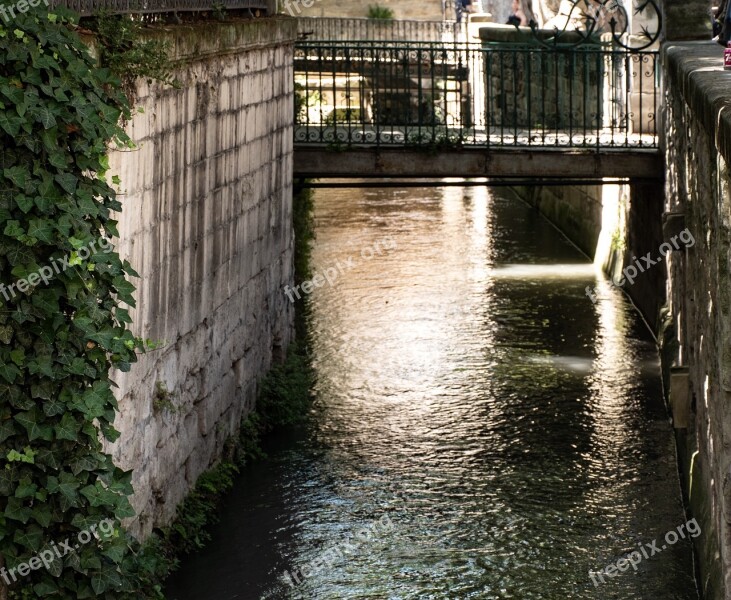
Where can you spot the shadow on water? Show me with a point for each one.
(481, 430)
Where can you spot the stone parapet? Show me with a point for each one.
(697, 143)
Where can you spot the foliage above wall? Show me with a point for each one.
(376, 11)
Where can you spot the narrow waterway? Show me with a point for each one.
(482, 429)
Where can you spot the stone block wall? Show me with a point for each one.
(414, 10)
(207, 223)
(698, 151)
(529, 88)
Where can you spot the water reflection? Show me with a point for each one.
(469, 392)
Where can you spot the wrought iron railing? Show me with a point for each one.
(378, 93)
(88, 8)
(380, 30)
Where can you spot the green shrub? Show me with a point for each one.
(376, 11)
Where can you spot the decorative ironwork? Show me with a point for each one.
(462, 94)
(600, 22)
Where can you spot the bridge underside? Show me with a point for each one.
(322, 162)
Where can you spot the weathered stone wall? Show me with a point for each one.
(207, 224)
(579, 92)
(615, 225)
(415, 10)
(698, 152)
(575, 210)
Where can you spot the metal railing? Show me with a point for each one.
(418, 93)
(375, 30)
(87, 8)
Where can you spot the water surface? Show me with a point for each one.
(481, 430)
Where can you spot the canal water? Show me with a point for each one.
(482, 429)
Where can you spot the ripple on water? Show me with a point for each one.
(512, 431)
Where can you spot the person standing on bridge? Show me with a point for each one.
(518, 15)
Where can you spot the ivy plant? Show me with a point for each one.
(61, 335)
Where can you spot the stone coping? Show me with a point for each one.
(194, 41)
(695, 71)
(510, 34)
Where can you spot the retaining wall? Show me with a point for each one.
(207, 223)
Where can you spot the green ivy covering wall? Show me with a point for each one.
(60, 335)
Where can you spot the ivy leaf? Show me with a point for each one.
(17, 511)
(42, 390)
(31, 538)
(53, 408)
(26, 488)
(45, 116)
(83, 463)
(42, 514)
(41, 229)
(104, 579)
(10, 123)
(67, 181)
(9, 372)
(68, 487)
(18, 356)
(68, 428)
(24, 202)
(35, 425)
(46, 587)
(13, 229)
(7, 429)
(18, 175)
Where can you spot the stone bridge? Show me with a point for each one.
(522, 103)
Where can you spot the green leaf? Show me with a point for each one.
(26, 488)
(30, 538)
(41, 229)
(67, 181)
(35, 425)
(68, 428)
(17, 511)
(104, 579)
(9, 372)
(45, 116)
(42, 514)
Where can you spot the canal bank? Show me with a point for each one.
(684, 295)
(513, 450)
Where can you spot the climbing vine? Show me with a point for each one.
(124, 50)
(63, 324)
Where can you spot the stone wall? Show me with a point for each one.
(206, 222)
(614, 225)
(578, 92)
(413, 10)
(698, 152)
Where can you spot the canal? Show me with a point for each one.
(482, 429)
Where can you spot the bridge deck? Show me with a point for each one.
(321, 161)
